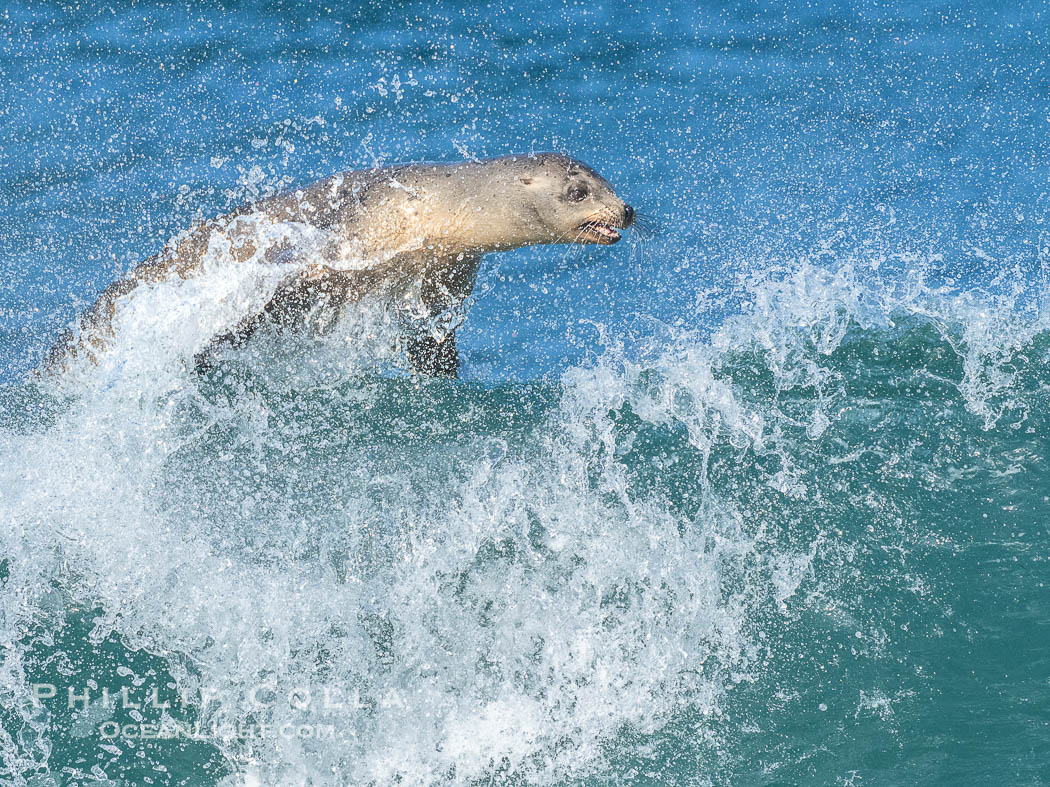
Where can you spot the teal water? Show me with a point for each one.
(761, 500)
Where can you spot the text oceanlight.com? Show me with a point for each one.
(325, 703)
(169, 729)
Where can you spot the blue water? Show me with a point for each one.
(762, 499)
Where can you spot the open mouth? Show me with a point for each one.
(598, 232)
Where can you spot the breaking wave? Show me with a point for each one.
(327, 568)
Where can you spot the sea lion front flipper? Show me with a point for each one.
(443, 291)
(291, 303)
(291, 297)
(205, 359)
(431, 357)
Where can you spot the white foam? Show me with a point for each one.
(491, 606)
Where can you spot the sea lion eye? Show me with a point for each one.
(577, 192)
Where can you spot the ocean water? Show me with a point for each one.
(760, 499)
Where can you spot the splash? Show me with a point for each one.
(430, 582)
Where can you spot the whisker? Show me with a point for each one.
(647, 226)
(573, 249)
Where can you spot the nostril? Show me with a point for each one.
(628, 215)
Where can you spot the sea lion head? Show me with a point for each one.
(566, 201)
(508, 202)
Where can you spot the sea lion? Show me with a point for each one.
(416, 231)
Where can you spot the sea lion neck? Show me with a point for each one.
(462, 208)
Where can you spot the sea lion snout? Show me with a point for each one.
(628, 216)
